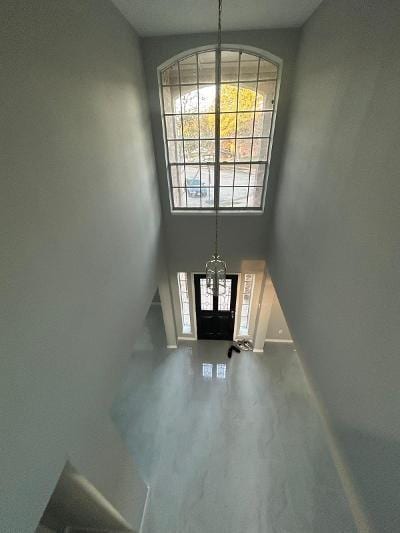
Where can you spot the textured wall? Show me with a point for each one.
(335, 252)
(80, 225)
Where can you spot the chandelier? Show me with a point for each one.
(216, 266)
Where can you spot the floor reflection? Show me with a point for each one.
(207, 370)
(221, 371)
(227, 446)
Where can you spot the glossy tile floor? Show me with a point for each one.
(227, 446)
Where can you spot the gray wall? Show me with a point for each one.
(80, 225)
(277, 326)
(335, 247)
(189, 236)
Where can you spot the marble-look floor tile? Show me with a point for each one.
(227, 446)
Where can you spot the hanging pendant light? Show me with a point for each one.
(216, 271)
(216, 266)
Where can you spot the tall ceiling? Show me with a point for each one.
(169, 17)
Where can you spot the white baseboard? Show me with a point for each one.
(257, 350)
(172, 346)
(289, 341)
(146, 504)
(187, 339)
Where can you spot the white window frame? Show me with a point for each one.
(185, 331)
(223, 210)
(250, 304)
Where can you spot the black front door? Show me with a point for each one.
(215, 314)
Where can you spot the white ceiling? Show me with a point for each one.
(169, 17)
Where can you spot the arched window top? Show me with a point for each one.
(248, 93)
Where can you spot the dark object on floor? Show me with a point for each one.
(233, 348)
(245, 344)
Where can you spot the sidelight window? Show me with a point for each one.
(184, 301)
(246, 304)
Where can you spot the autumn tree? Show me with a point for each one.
(232, 100)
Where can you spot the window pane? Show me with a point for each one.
(188, 69)
(240, 197)
(171, 98)
(242, 173)
(190, 126)
(265, 95)
(257, 173)
(262, 125)
(192, 175)
(207, 99)
(191, 151)
(178, 175)
(207, 175)
(173, 125)
(243, 150)
(268, 71)
(226, 175)
(229, 65)
(170, 76)
(229, 97)
(175, 151)
(207, 151)
(224, 300)
(255, 196)
(193, 197)
(207, 198)
(245, 124)
(189, 99)
(179, 197)
(260, 149)
(207, 126)
(248, 67)
(206, 67)
(225, 196)
(227, 150)
(228, 125)
(247, 96)
(206, 300)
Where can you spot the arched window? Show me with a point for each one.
(247, 110)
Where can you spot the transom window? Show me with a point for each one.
(247, 108)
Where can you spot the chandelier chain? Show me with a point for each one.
(216, 266)
(218, 80)
(219, 23)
